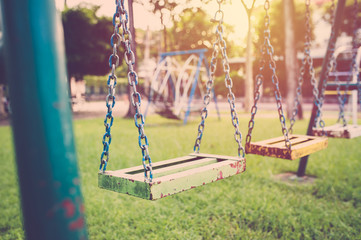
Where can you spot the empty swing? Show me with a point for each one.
(343, 130)
(157, 180)
(287, 146)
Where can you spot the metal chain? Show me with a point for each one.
(342, 98)
(306, 60)
(120, 22)
(330, 65)
(267, 55)
(129, 59)
(207, 97)
(110, 99)
(220, 44)
(355, 46)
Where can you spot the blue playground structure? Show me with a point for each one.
(174, 86)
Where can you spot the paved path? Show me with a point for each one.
(97, 109)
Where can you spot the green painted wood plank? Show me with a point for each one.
(206, 168)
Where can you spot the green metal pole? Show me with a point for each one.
(331, 42)
(52, 203)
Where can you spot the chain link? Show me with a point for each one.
(306, 61)
(139, 121)
(220, 46)
(342, 98)
(267, 56)
(122, 34)
(330, 65)
(356, 45)
(110, 99)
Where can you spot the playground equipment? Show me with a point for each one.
(285, 147)
(352, 83)
(175, 175)
(344, 91)
(51, 199)
(324, 72)
(173, 86)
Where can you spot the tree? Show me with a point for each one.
(277, 21)
(87, 41)
(348, 17)
(249, 89)
(194, 30)
(131, 110)
(168, 8)
(290, 54)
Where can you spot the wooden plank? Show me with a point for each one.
(306, 148)
(339, 131)
(192, 178)
(158, 164)
(271, 141)
(294, 140)
(300, 149)
(119, 181)
(354, 131)
(168, 169)
(214, 156)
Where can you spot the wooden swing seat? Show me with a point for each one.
(339, 131)
(301, 145)
(172, 176)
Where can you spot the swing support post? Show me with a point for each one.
(336, 26)
(51, 199)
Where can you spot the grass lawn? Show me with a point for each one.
(251, 205)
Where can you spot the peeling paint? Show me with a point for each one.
(220, 176)
(77, 224)
(69, 207)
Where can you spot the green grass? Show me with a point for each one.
(248, 206)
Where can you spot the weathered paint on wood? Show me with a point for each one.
(172, 176)
(339, 131)
(300, 146)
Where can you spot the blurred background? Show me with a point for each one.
(181, 25)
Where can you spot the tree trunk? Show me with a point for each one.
(165, 38)
(249, 88)
(131, 111)
(146, 61)
(290, 54)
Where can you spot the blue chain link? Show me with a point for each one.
(220, 44)
(331, 62)
(129, 58)
(267, 57)
(110, 99)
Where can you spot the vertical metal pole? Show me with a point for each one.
(52, 203)
(336, 26)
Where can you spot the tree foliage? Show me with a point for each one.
(87, 41)
(277, 26)
(194, 30)
(347, 24)
(277, 38)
